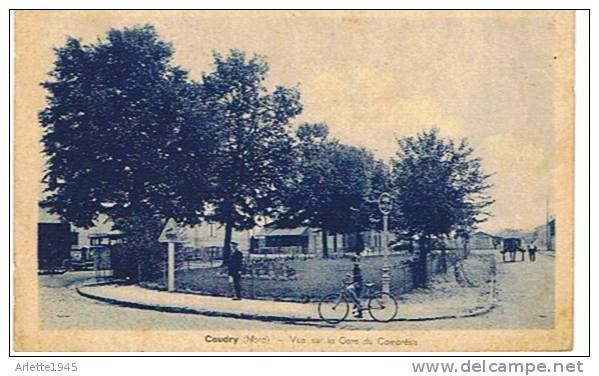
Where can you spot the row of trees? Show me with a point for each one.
(127, 134)
(335, 186)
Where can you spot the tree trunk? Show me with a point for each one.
(422, 262)
(444, 260)
(227, 244)
(466, 248)
(325, 246)
(335, 244)
(359, 244)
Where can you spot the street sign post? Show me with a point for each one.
(170, 234)
(385, 203)
(385, 206)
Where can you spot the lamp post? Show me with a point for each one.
(385, 205)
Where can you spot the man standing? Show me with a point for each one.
(532, 252)
(235, 266)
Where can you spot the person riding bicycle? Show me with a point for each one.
(355, 287)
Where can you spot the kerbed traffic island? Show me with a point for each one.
(432, 304)
(138, 297)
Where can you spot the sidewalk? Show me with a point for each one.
(138, 297)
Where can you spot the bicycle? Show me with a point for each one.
(334, 307)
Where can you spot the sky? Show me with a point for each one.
(373, 77)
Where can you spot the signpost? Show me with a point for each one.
(385, 206)
(170, 234)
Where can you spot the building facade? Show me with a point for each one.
(308, 240)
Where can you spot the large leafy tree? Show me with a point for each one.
(439, 188)
(332, 186)
(114, 135)
(250, 132)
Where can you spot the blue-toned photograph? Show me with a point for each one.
(327, 171)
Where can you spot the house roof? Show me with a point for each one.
(110, 235)
(513, 233)
(482, 233)
(298, 231)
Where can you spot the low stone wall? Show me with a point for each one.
(303, 280)
(277, 269)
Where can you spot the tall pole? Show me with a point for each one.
(385, 205)
(171, 266)
(386, 277)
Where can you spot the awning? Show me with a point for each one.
(298, 231)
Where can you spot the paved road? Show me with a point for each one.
(61, 307)
(524, 293)
(525, 299)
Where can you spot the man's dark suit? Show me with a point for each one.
(235, 266)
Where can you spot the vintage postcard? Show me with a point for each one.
(386, 181)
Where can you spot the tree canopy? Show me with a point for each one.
(438, 187)
(112, 128)
(332, 185)
(250, 124)
(127, 134)
(115, 136)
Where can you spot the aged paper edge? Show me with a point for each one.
(28, 336)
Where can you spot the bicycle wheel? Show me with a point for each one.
(382, 307)
(333, 308)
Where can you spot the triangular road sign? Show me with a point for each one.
(170, 233)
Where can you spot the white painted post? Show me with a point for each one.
(170, 234)
(171, 266)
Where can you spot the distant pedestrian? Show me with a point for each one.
(529, 249)
(235, 266)
(532, 253)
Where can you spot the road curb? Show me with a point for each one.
(266, 317)
(491, 304)
(184, 309)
